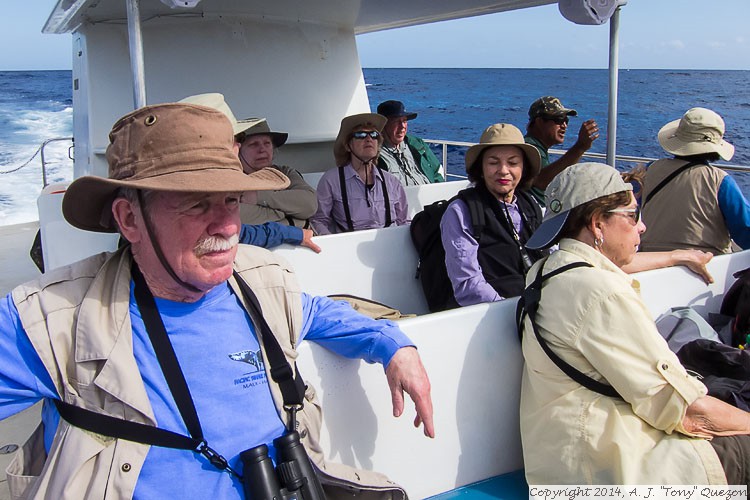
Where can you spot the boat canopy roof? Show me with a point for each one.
(361, 16)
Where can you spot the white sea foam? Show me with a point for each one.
(20, 190)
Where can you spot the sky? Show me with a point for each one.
(669, 34)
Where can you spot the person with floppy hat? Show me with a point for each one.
(143, 356)
(548, 123)
(257, 143)
(687, 202)
(356, 194)
(491, 265)
(623, 410)
(293, 205)
(406, 156)
(267, 234)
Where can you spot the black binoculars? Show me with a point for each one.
(292, 479)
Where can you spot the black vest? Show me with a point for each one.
(498, 254)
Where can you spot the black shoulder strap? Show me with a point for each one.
(345, 200)
(387, 201)
(291, 384)
(669, 178)
(476, 211)
(528, 303)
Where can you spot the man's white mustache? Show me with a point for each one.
(216, 244)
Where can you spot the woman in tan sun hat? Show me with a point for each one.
(490, 266)
(357, 194)
(687, 202)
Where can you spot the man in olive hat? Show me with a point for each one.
(406, 156)
(548, 123)
(148, 359)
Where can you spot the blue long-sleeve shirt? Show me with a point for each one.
(218, 351)
(270, 234)
(736, 211)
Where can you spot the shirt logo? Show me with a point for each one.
(253, 358)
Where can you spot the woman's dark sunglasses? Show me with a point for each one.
(373, 134)
(557, 119)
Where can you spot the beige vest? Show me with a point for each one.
(685, 213)
(78, 320)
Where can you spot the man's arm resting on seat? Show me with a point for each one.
(337, 327)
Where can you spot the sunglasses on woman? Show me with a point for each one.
(373, 134)
(632, 213)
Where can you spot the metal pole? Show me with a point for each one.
(614, 41)
(135, 44)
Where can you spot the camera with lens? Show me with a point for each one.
(293, 478)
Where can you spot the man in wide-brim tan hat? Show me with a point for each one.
(686, 201)
(484, 229)
(357, 194)
(148, 358)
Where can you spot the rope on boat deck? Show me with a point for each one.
(25, 164)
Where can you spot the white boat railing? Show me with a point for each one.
(559, 152)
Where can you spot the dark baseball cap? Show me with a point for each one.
(549, 106)
(394, 109)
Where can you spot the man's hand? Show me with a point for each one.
(696, 261)
(588, 133)
(307, 241)
(405, 372)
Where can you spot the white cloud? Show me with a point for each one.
(716, 45)
(740, 39)
(675, 44)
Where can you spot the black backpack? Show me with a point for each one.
(736, 304)
(425, 235)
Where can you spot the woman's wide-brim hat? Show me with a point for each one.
(166, 147)
(261, 128)
(348, 125)
(216, 101)
(571, 188)
(699, 131)
(505, 134)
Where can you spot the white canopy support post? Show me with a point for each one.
(135, 44)
(614, 44)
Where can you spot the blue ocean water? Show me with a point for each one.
(453, 104)
(459, 104)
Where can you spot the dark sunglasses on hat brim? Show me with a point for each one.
(372, 134)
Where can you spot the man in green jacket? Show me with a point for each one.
(406, 156)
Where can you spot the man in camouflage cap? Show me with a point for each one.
(548, 122)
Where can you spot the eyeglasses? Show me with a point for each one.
(557, 119)
(372, 134)
(633, 213)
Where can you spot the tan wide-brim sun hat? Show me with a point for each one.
(571, 188)
(216, 100)
(699, 131)
(348, 125)
(166, 147)
(505, 134)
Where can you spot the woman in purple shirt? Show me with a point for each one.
(491, 265)
(358, 195)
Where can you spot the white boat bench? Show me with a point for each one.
(474, 360)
